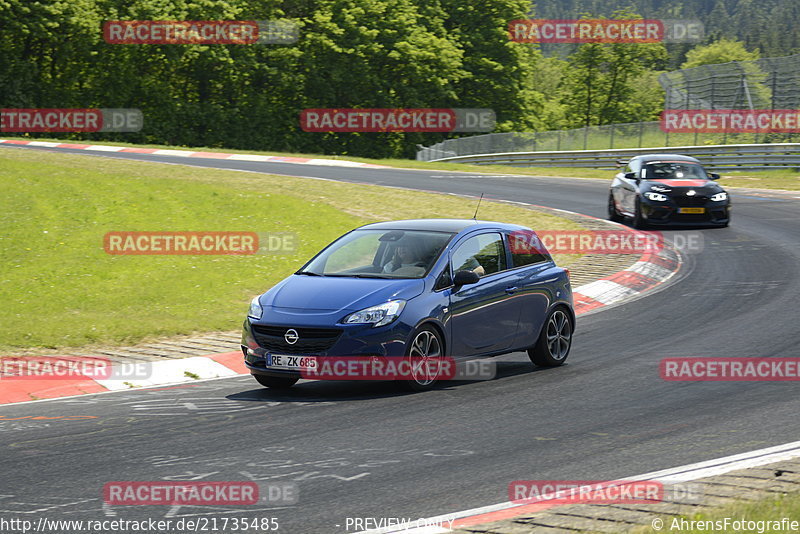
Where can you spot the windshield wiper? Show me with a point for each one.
(309, 273)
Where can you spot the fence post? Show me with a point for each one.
(641, 133)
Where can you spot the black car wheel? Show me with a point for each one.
(553, 345)
(638, 220)
(424, 352)
(275, 382)
(613, 214)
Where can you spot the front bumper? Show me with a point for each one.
(352, 340)
(668, 213)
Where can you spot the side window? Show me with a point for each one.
(484, 254)
(445, 280)
(526, 249)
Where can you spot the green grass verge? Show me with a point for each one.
(60, 289)
(778, 179)
(764, 511)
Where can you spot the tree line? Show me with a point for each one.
(350, 54)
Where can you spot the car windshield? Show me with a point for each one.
(380, 254)
(673, 170)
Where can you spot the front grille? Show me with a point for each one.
(697, 201)
(310, 340)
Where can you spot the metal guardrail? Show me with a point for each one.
(714, 157)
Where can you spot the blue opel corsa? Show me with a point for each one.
(422, 289)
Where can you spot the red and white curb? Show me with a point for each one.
(191, 154)
(157, 373)
(651, 270)
(674, 475)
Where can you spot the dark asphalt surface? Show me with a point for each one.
(365, 450)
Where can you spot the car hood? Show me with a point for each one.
(325, 294)
(665, 186)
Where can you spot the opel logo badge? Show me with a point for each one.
(291, 336)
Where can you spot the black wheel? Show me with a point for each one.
(613, 214)
(554, 342)
(275, 382)
(425, 349)
(638, 221)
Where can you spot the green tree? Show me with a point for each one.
(601, 80)
(721, 51)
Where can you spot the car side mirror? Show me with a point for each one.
(631, 176)
(463, 278)
(714, 176)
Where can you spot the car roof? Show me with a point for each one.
(665, 157)
(437, 225)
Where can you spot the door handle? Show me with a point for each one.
(511, 290)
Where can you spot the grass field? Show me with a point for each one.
(60, 289)
(777, 179)
(773, 509)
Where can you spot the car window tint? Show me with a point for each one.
(485, 250)
(525, 255)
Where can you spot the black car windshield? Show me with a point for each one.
(673, 170)
(380, 254)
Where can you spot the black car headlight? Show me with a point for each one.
(719, 197)
(657, 197)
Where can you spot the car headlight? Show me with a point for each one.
(255, 309)
(377, 315)
(719, 197)
(658, 197)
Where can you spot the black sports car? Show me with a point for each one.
(661, 189)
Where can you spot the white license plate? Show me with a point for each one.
(293, 363)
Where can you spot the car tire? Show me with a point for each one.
(613, 214)
(555, 340)
(275, 382)
(426, 343)
(638, 221)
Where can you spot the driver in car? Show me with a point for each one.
(405, 257)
